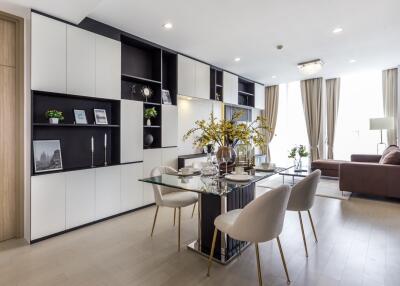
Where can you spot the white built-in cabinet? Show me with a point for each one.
(169, 131)
(67, 59)
(169, 157)
(48, 54)
(108, 191)
(131, 188)
(81, 62)
(132, 131)
(193, 78)
(80, 197)
(259, 100)
(47, 205)
(230, 88)
(151, 158)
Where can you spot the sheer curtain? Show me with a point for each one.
(360, 100)
(291, 126)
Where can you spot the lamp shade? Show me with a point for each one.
(383, 123)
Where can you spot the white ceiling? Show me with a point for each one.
(217, 31)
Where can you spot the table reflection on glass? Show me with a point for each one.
(216, 196)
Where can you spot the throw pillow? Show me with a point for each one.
(393, 158)
(387, 151)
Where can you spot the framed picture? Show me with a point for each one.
(80, 116)
(100, 116)
(47, 155)
(166, 98)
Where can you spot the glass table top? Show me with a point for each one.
(207, 184)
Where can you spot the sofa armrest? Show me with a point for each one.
(370, 178)
(365, 158)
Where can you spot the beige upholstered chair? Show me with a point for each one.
(171, 198)
(259, 221)
(302, 199)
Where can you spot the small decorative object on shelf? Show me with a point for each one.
(105, 149)
(146, 92)
(166, 97)
(217, 97)
(54, 116)
(227, 134)
(80, 116)
(149, 113)
(148, 140)
(100, 116)
(92, 149)
(47, 155)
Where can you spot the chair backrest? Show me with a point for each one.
(262, 219)
(160, 190)
(303, 193)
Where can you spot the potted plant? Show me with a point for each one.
(150, 113)
(302, 151)
(54, 116)
(293, 154)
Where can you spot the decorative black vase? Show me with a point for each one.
(148, 140)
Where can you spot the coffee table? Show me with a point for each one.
(292, 172)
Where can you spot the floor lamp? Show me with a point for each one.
(384, 123)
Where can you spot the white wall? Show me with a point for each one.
(188, 112)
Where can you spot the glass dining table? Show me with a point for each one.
(217, 195)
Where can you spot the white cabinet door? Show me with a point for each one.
(259, 100)
(47, 205)
(80, 62)
(108, 191)
(186, 76)
(108, 68)
(131, 188)
(80, 197)
(202, 81)
(48, 54)
(170, 157)
(169, 129)
(230, 88)
(131, 131)
(151, 158)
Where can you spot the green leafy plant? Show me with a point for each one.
(150, 113)
(302, 151)
(54, 114)
(292, 153)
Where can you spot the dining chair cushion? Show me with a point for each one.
(303, 193)
(179, 199)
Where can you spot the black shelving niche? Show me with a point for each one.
(216, 84)
(75, 139)
(246, 92)
(169, 74)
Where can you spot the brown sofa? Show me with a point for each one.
(365, 175)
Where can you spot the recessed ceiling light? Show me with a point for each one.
(237, 59)
(188, 98)
(274, 76)
(352, 61)
(337, 30)
(168, 25)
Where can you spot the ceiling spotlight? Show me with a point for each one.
(337, 30)
(352, 61)
(168, 25)
(237, 59)
(274, 76)
(310, 67)
(279, 47)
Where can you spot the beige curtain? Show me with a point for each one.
(332, 102)
(270, 113)
(389, 88)
(311, 95)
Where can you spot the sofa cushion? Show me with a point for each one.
(326, 164)
(387, 151)
(393, 158)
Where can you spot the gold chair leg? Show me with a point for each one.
(174, 215)
(260, 282)
(212, 250)
(312, 225)
(283, 260)
(154, 222)
(302, 232)
(194, 207)
(179, 229)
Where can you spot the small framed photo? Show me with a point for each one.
(100, 116)
(166, 97)
(47, 155)
(80, 116)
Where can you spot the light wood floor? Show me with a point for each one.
(359, 244)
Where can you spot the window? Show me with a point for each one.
(291, 126)
(360, 100)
